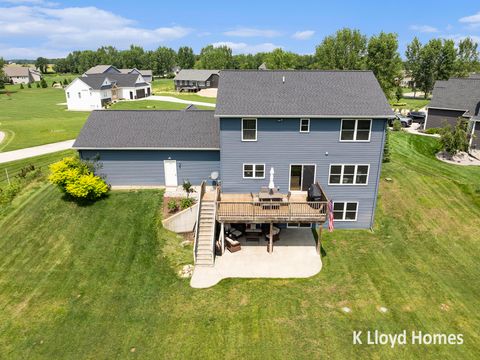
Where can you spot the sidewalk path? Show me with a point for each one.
(35, 151)
(177, 100)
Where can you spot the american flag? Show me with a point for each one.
(330, 216)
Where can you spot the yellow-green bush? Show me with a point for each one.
(76, 178)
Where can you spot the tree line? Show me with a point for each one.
(346, 49)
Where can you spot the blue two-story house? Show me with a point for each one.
(322, 128)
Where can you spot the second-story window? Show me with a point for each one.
(304, 125)
(348, 174)
(355, 130)
(79, 95)
(249, 129)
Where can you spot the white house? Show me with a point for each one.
(21, 74)
(94, 91)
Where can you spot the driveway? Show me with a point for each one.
(35, 151)
(294, 256)
(176, 100)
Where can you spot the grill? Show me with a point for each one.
(314, 193)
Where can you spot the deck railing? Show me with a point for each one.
(282, 211)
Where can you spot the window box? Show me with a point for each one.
(345, 211)
(254, 171)
(249, 129)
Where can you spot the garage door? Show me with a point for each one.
(140, 93)
(476, 136)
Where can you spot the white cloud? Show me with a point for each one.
(251, 32)
(303, 35)
(61, 29)
(458, 37)
(243, 48)
(472, 20)
(424, 28)
(30, 2)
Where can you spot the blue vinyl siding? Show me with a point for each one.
(145, 167)
(280, 143)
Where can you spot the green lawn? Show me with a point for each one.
(93, 282)
(159, 85)
(411, 104)
(32, 117)
(153, 105)
(42, 162)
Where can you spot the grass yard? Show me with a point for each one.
(159, 85)
(153, 105)
(99, 281)
(411, 104)
(31, 117)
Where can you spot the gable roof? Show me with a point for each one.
(312, 93)
(142, 72)
(94, 81)
(121, 80)
(149, 129)
(99, 69)
(457, 94)
(195, 75)
(16, 71)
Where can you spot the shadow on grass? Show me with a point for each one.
(82, 202)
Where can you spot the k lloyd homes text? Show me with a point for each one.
(405, 338)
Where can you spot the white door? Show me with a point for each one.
(170, 172)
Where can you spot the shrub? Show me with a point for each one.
(76, 178)
(43, 84)
(399, 104)
(187, 187)
(21, 86)
(29, 85)
(397, 125)
(172, 205)
(8, 192)
(433, 131)
(454, 140)
(386, 146)
(186, 202)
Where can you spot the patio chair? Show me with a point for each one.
(232, 245)
(231, 231)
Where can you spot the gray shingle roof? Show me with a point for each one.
(155, 129)
(99, 69)
(195, 75)
(121, 80)
(303, 93)
(458, 94)
(16, 71)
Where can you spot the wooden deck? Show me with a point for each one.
(240, 208)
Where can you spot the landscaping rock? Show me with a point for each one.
(346, 309)
(382, 309)
(186, 272)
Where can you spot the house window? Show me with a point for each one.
(79, 95)
(208, 83)
(249, 129)
(355, 130)
(254, 171)
(304, 125)
(348, 174)
(345, 211)
(68, 95)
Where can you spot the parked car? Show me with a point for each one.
(417, 116)
(404, 120)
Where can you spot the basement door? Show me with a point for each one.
(170, 167)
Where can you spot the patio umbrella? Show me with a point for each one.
(271, 184)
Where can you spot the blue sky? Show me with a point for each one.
(53, 28)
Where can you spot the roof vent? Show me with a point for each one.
(283, 79)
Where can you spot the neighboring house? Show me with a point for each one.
(456, 98)
(94, 91)
(311, 127)
(195, 80)
(21, 74)
(406, 80)
(110, 69)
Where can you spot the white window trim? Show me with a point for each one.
(354, 175)
(308, 122)
(345, 210)
(297, 226)
(301, 185)
(256, 129)
(355, 131)
(254, 171)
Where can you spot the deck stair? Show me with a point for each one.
(206, 234)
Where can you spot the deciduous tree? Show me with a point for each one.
(215, 57)
(185, 57)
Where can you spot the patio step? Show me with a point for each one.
(204, 254)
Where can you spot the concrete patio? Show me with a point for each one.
(294, 256)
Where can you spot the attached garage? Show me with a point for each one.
(476, 135)
(152, 148)
(140, 93)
